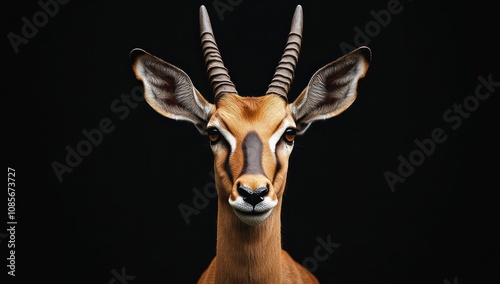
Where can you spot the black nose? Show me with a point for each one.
(253, 197)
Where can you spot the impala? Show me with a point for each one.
(251, 139)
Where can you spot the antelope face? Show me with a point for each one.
(251, 137)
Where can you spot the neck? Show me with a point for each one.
(248, 253)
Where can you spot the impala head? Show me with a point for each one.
(251, 137)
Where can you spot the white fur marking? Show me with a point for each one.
(275, 138)
(229, 138)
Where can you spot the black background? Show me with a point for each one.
(117, 211)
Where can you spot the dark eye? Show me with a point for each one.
(214, 135)
(289, 135)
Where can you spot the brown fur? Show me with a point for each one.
(251, 254)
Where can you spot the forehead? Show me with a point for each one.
(242, 114)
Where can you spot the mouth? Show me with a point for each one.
(250, 213)
(253, 217)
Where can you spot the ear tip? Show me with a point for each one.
(135, 53)
(366, 52)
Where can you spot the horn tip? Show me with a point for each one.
(205, 24)
(298, 19)
(299, 10)
(203, 11)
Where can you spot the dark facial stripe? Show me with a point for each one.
(252, 154)
(226, 164)
(278, 165)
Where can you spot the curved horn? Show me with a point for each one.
(283, 75)
(217, 73)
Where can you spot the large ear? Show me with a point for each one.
(331, 90)
(169, 90)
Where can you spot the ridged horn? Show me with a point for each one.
(217, 72)
(283, 75)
